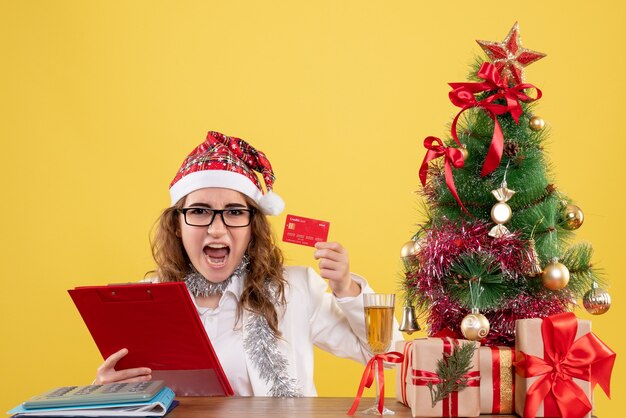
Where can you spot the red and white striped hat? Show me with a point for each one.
(228, 162)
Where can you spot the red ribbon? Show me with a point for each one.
(447, 333)
(587, 358)
(453, 157)
(450, 403)
(496, 380)
(424, 377)
(367, 379)
(462, 96)
(406, 365)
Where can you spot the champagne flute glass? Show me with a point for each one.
(379, 330)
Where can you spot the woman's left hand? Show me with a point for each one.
(335, 267)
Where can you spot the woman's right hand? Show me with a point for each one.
(106, 373)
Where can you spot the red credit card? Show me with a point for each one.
(305, 231)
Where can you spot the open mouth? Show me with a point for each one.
(216, 254)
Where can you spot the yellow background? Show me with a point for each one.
(101, 101)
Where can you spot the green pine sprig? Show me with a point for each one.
(577, 259)
(451, 370)
(478, 271)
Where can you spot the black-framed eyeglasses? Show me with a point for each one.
(231, 217)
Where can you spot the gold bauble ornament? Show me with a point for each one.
(410, 249)
(501, 213)
(536, 123)
(407, 249)
(475, 326)
(573, 217)
(555, 276)
(597, 301)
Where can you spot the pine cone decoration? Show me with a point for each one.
(511, 149)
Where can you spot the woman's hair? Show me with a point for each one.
(264, 287)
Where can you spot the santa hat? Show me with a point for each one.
(228, 162)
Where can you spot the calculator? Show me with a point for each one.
(96, 394)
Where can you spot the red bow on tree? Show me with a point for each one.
(587, 358)
(463, 97)
(453, 157)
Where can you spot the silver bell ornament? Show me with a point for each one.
(409, 320)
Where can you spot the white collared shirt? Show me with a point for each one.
(227, 338)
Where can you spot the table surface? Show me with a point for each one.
(191, 407)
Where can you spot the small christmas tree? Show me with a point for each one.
(497, 244)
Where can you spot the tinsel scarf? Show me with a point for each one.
(198, 285)
(260, 344)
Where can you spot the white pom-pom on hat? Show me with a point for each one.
(271, 203)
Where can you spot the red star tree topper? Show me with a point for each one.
(509, 57)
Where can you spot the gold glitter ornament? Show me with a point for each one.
(555, 276)
(573, 217)
(475, 326)
(536, 123)
(534, 259)
(597, 301)
(501, 212)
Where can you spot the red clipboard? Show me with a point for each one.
(160, 326)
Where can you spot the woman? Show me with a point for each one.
(262, 318)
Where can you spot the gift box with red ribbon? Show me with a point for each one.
(418, 370)
(558, 363)
(497, 380)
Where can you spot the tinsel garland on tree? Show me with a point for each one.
(454, 248)
(437, 283)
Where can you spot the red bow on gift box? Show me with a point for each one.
(587, 358)
(463, 97)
